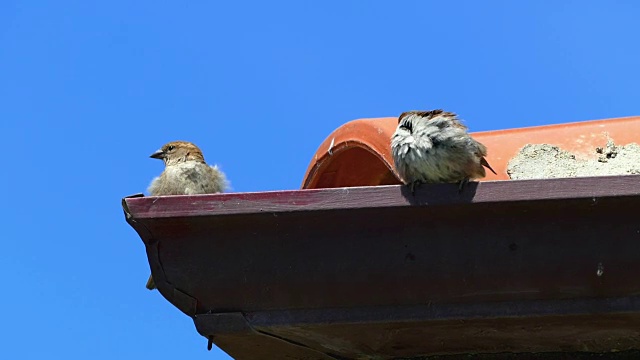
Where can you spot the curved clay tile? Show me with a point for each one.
(358, 153)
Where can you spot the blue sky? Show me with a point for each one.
(88, 90)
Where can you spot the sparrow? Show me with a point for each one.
(185, 173)
(435, 147)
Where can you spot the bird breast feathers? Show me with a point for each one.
(190, 168)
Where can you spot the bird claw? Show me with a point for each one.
(462, 185)
(413, 186)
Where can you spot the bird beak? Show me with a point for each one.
(159, 154)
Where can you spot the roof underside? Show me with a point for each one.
(509, 266)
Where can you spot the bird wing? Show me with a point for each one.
(484, 163)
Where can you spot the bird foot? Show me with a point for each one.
(413, 185)
(463, 183)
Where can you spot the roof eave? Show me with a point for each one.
(329, 272)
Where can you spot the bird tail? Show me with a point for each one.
(150, 283)
(484, 163)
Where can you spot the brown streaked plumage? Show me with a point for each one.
(185, 173)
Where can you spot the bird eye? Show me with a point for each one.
(407, 125)
(171, 147)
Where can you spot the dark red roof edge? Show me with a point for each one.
(509, 266)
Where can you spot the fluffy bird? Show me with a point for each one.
(185, 173)
(435, 147)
